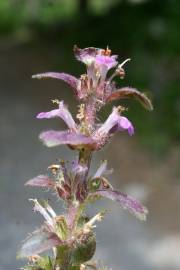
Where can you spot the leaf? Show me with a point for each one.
(69, 79)
(125, 201)
(41, 181)
(128, 92)
(46, 263)
(38, 242)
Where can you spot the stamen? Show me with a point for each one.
(106, 52)
(80, 116)
(54, 168)
(121, 109)
(55, 101)
(123, 63)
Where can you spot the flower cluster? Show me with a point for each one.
(71, 236)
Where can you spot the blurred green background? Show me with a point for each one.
(145, 31)
(38, 36)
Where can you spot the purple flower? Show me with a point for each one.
(74, 136)
(61, 112)
(98, 61)
(103, 63)
(107, 61)
(115, 122)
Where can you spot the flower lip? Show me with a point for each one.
(53, 138)
(61, 112)
(107, 61)
(115, 122)
(123, 124)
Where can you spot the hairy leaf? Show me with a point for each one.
(38, 242)
(69, 79)
(40, 181)
(125, 201)
(128, 92)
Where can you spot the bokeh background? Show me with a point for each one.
(38, 36)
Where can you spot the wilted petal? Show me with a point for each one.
(128, 92)
(101, 170)
(50, 210)
(116, 122)
(53, 138)
(79, 171)
(87, 55)
(39, 208)
(69, 79)
(38, 242)
(41, 181)
(78, 168)
(62, 112)
(125, 201)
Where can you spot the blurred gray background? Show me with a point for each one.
(38, 36)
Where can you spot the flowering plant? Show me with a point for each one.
(71, 236)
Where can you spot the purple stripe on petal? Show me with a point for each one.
(125, 201)
(53, 138)
(41, 181)
(62, 112)
(69, 79)
(38, 242)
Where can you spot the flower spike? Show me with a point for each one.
(71, 236)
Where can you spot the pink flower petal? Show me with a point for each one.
(62, 112)
(115, 122)
(53, 138)
(107, 61)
